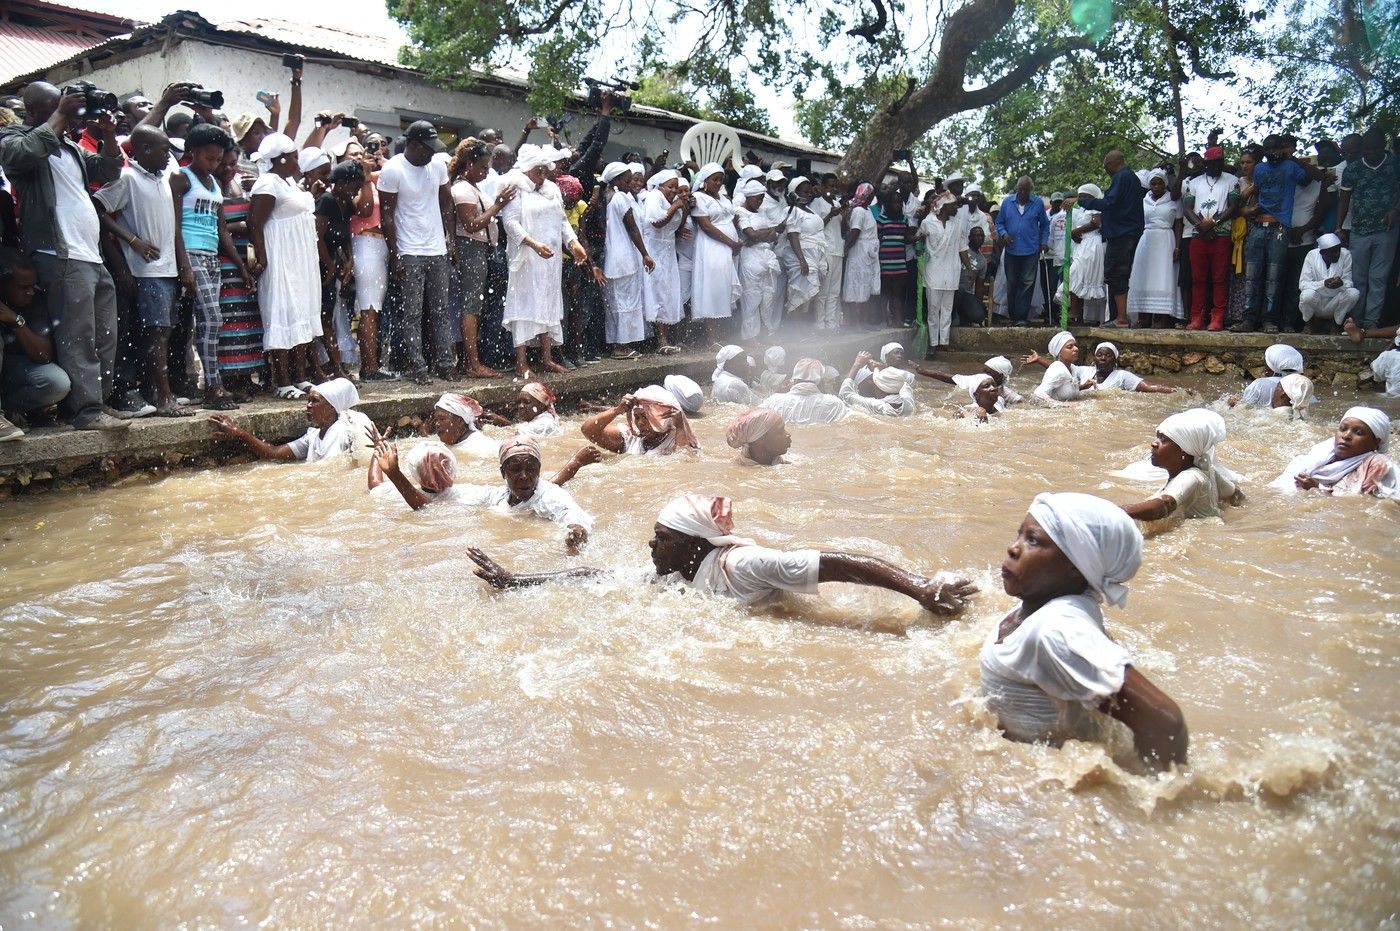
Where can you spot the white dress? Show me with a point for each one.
(1153, 287)
(622, 264)
(549, 501)
(806, 403)
(661, 290)
(1086, 261)
(716, 280)
(289, 291)
(1386, 368)
(758, 277)
(728, 388)
(1061, 383)
(811, 236)
(862, 268)
(534, 291)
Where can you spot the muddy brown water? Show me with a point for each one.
(256, 696)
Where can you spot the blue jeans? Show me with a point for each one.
(1265, 252)
(30, 386)
(1371, 258)
(1020, 284)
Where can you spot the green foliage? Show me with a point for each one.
(718, 99)
(1055, 129)
(833, 120)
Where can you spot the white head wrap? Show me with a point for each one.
(890, 380)
(751, 188)
(433, 465)
(688, 394)
(273, 145)
(751, 425)
(1196, 432)
(750, 171)
(311, 158)
(561, 153)
(725, 354)
(1377, 421)
(709, 518)
(1096, 536)
(1299, 389)
(710, 168)
(795, 183)
(888, 348)
(977, 382)
(1283, 359)
(340, 393)
(467, 408)
(660, 178)
(775, 358)
(808, 370)
(636, 168)
(1058, 342)
(1109, 346)
(1155, 173)
(542, 393)
(531, 157)
(1000, 365)
(831, 373)
(522, 444)
(1328, 241)
(1093, 190)
(612, 171)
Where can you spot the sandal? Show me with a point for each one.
(304, 386)
(669, 350)
(174, 409)
(221, 403)
(289, 393)
(634, 354)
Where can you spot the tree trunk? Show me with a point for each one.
(899, 124)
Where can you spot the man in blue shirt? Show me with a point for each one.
(1276, 179)
(1023, 228)
(1120, 225)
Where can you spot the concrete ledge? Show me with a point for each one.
(55, 459)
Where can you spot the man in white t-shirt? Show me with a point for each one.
(1209, 203)
(693, 540)
(416, 214)
(59, 229)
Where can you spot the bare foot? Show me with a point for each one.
(549, 365)
(481, 371)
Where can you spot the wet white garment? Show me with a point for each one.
(1119, 378)
(1260, 392)
(1341, 476)
(340, 438)
(1045, 680)
(805, 403)
(661, 289)
(534, 290)
(728, 388)
(549, 501)
(758, 277)
(544, 424)
(1059, 384)
(892, 405)
(715, 283)
(1153, 286)
(1386, 368)
(751, 574)
(811, 238)
(862, 270)
(621, 257)
(1195, 494)
(289, 290)
(477, 443)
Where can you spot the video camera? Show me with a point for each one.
(201, 97)
(96, 101)
(622, 103)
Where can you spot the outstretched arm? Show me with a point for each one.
(1159, 730)
(1148, 387)
(946, 599)
(934, 374)
(588, 455)
(1151, 509)
(226, 429)
(501, 578)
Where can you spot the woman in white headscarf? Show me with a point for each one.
(729, 383)
(885, 391)
(1282, 359)
(804, 260)
(282, 231)
(625, 263)
(760, 436)
(861, 269)
(535, 414)
(652, 424)
(688, 393)
(335, 429)
(804, 402)
(758, 263)
(1087, 290)
(1109, 375)
(998, 368)
(1196, 485)
(1049, 668)
(984, 395)
(1386, 369)
(431, 464)
(715, 287)
(1062, 381)
(774, 368)
(663, 212)
(455, 420)
(694, 539)
(536, 233)
(1154, 288)
(1352, 462)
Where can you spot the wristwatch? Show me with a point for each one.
(19, 321)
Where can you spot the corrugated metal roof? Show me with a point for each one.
(313, 37)
(26, 49)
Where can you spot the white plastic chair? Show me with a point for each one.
(710, 142)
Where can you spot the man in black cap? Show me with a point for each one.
(416, 213)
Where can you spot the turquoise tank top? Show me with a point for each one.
(199, 214)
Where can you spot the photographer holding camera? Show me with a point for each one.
(60, 233)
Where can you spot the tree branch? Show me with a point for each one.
(872, 28)
(1022, 73)
(545, 25)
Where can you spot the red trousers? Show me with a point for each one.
(1210, 276)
